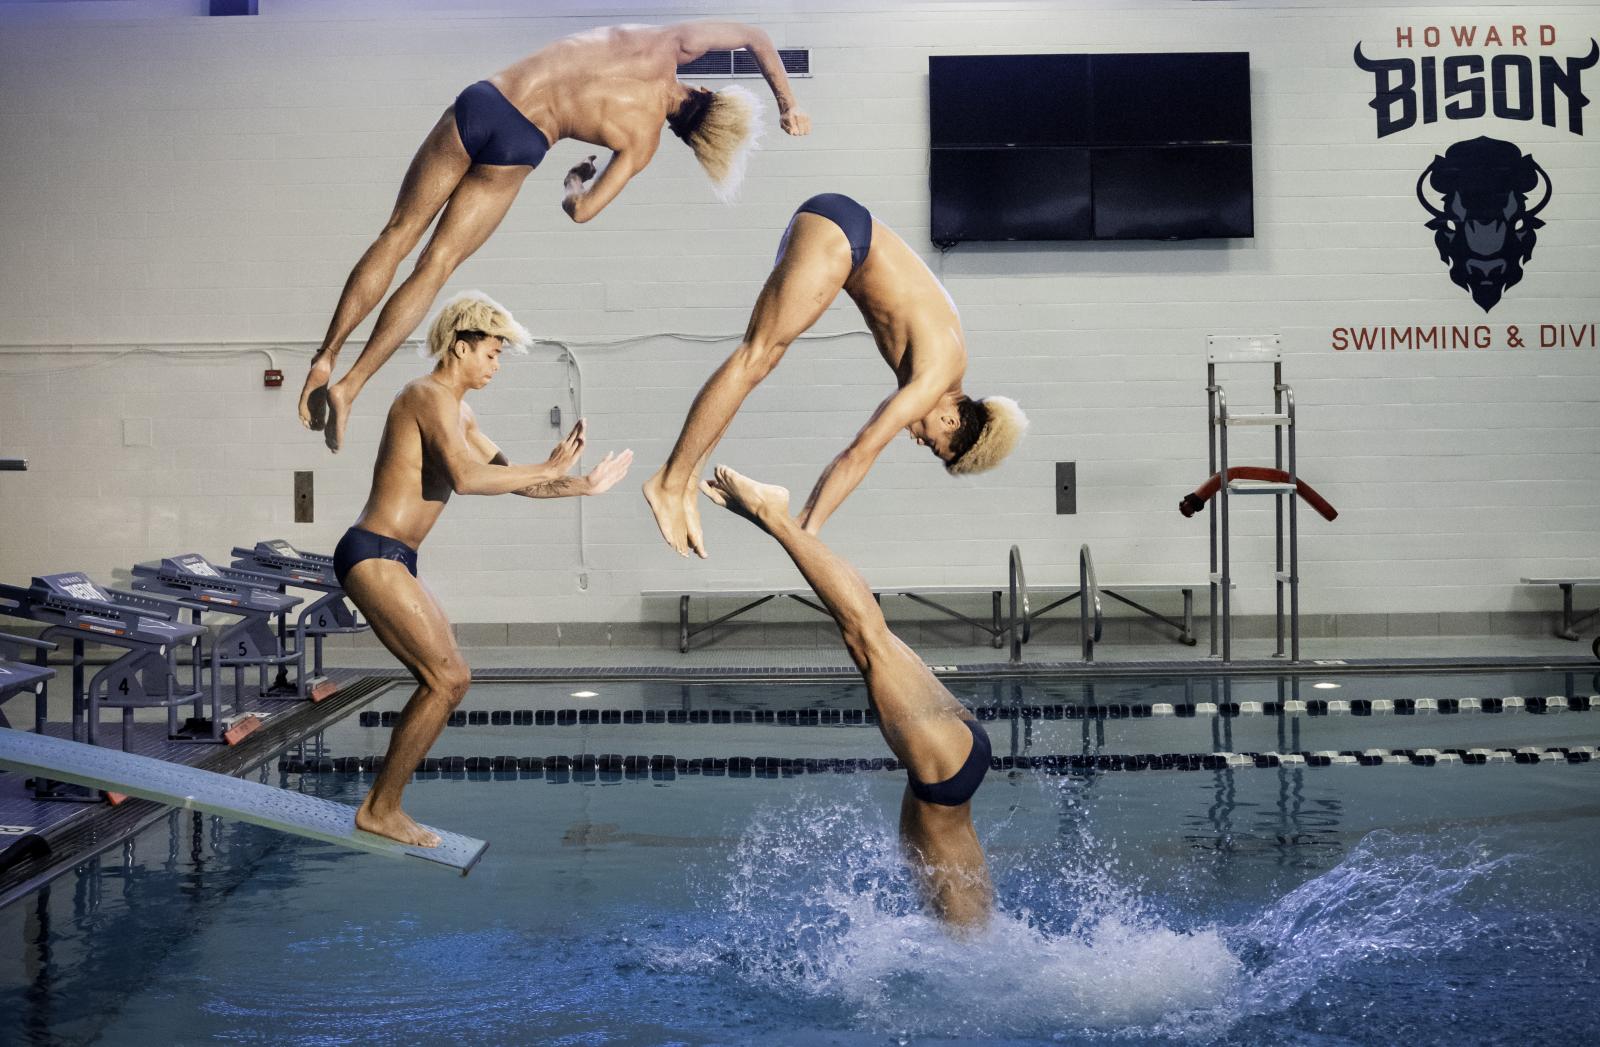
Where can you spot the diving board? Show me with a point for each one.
(189, 787)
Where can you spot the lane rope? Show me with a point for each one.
(560, 767)
(572, 717)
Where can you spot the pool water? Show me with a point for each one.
(1297, 904)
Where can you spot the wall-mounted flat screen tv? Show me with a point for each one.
(1090, 147)
(1046, 194)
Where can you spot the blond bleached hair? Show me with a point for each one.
(474, 311)
(1003, 424)
(723, 134)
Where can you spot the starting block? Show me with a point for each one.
(19, 677)
(149, 632)
(328, 614)
(254, 603)
(191, 788)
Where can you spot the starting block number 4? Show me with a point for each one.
(15, 830)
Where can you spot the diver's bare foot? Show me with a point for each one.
(397, 825)
(691, 521)
(668, 510)
(314, 397)
(757, 502)
(339, 401)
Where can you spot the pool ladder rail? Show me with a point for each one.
(1022, 616)
(1089, 588)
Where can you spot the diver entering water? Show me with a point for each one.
(944, 750)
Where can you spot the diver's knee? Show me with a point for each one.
(457, 682)
(868, 641)
(401, 233)
(757, 360)
(436, 263)
(450, 681)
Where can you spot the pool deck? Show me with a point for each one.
(63, 833)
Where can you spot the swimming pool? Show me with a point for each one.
(1371, 900)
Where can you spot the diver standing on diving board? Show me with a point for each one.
(432, 448)
(944, 750)
(834, 244)
(611, 87)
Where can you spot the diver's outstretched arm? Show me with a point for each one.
(696, 38)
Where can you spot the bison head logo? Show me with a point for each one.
(1483, 226)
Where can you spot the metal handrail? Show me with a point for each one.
(1089, 589)
(1294, 534)
(1021, 619)
(1212, 389)
(1222, 508)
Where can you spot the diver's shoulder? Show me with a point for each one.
(420, 394)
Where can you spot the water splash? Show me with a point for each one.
(815, 910)
(1393, 902)
(816, 904)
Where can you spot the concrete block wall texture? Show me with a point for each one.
(177, 191)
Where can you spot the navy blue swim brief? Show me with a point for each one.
(494, 131)
(958, 789)
(358, 545)
(855, 220)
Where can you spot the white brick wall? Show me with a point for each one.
(178, 182)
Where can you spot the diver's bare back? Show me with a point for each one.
(562, 87)
(911, 315)
(410, 488)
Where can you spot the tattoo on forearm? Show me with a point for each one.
(560, 487)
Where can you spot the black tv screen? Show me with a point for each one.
(1183, 192)
(1079, 147)
(1045, 195)
(1008, 100)
(1167, 99)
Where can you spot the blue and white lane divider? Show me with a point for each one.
(660, 766)
(571, 717)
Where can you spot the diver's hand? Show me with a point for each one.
(583, 172)
(569, 450)
(612, 468)
(794, 121)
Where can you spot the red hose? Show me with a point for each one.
(1193, 503)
